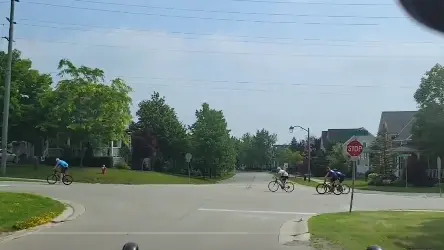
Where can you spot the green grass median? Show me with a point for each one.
(391, 230)
(113, 176)
(20, 211)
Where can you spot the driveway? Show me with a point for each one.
(238, 214)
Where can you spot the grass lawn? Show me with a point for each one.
(113, 176)
(20, 211)
(362, 185)
(389, 229)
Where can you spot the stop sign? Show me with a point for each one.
(354, 148)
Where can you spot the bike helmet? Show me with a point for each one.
(278, 168)
(57, 159)
(374, 247)
(130, 246)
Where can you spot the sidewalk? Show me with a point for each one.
(20, 179)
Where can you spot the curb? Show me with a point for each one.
(72, 211)
(294, 230)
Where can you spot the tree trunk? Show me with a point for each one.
(82, 154)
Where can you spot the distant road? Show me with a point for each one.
(249, 177)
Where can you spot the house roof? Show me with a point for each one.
(398, 123)
(342, 135)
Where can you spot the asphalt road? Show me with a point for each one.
(238, 214)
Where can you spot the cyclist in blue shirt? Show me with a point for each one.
(331, 175)
(341, 176)
(63, 165)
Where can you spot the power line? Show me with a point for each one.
(203, 18)
(276, 83)
(263, 39)
(313, 3)
(238, 12)
(324, 56)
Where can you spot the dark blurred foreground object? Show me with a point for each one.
(130, 246)
(428, 12)
(374, 247)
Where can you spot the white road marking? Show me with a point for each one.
(252, 211)
(154, 233)
(2, 185)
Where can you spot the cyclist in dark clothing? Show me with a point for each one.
(331, 175)
(341, 176)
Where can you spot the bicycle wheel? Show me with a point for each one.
(337, 189)
(345, 189)
(67, 179)
(52, 179)
(273, 186)
(289, 187)
(321, 188)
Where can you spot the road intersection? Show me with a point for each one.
(239, 213)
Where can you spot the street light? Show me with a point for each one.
(308, 147)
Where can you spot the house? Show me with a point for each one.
(334, 136)
(54, 148)
(363, 162)
(398, 125)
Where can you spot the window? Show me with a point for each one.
(364, 144)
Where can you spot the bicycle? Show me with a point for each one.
(344, 188)
(55, 177)
(323, 188)
(274, 185)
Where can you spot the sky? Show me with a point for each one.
(265, 63)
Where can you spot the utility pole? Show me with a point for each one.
(6, 95)
(309, 154)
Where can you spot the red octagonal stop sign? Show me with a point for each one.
(354, 148)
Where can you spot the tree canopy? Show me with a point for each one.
(84, 111)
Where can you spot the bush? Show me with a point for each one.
(367, 174)
(375, 179)
(122, 165)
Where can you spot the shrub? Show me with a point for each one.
(375, 179)
(367, 174)
(122, 165)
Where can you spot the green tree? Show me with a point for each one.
(319, 163)
(381, 156)
(214, 152)
(28, 87)
(288, 156)
(87, 110)
(263, 147)
(431, 88)
(171, 135)
(245, 151)
(337, 158)
(428, 129)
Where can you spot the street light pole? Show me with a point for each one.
(6, 96)
(308, 148)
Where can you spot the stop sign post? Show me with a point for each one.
(354, 150)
